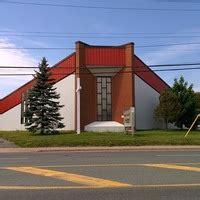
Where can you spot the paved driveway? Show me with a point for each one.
(6, 144)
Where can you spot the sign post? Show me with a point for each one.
(78, 130)
(129, 119)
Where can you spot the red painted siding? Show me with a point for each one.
(147, 75)
(14, 98)
(64, 68)
(105, 56)
(59, 71)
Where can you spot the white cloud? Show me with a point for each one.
(13, 57)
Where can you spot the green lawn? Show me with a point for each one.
(154, 137)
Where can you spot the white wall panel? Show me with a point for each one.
(66, 89)
(10, 120)
(146, 100)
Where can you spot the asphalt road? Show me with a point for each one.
(123, 175)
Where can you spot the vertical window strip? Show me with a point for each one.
(104, 98)
(25, 106)
(22, 109)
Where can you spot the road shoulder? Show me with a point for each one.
(102, 148)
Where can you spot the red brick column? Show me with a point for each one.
(123, 86)
(88, 84)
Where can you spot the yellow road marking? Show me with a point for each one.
(102, 165)
(108, 165)
(178, 167)
(75, 178)
(8, 187)
(95, 165)
(171, 185)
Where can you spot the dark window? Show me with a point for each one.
(23, 107)
(104, 101)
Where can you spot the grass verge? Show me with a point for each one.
(154, 137)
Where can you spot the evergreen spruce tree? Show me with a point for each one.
(42, 103)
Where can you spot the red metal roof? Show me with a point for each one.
(59, 71)
(105, 56)
(147, 75)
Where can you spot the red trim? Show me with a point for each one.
(149, 76)
(59, 71)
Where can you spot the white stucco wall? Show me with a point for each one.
(10, 120)
(66, 89)
(146, 100)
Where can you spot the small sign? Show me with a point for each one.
(129, 119)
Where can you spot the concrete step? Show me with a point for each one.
(104, 126)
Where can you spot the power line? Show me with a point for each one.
(51, 48)
(65, 67)
(171, 44)
(175, 65)
(99, 7)
(98, 33)
(37, 48)
(141, 71)
(131, 71)
(103, 37)
(176, 69)
(136, 46)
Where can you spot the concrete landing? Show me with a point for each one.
(106, 126)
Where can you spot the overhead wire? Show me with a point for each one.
(161, 70)
(72, 48)
(130, 71)
(66, 67)
(99, 7)
(97, 33)
(99, 37)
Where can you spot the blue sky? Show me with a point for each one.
(163, 26)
